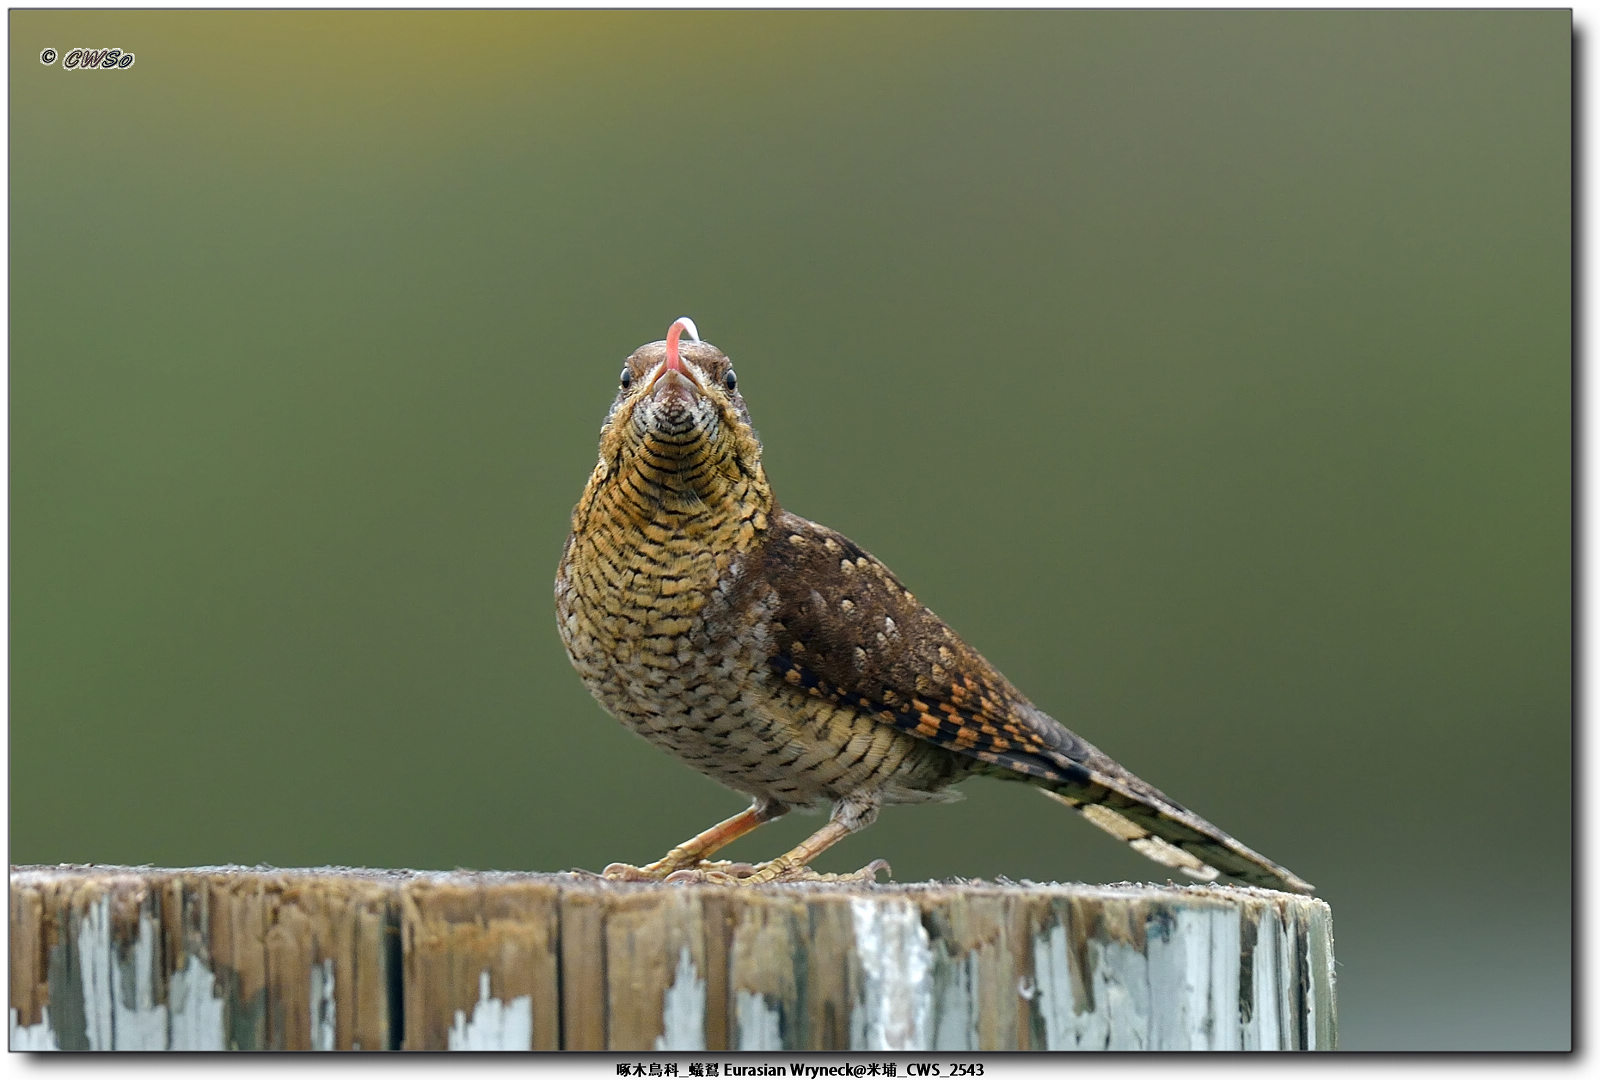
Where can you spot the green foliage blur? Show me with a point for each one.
(1209, 372)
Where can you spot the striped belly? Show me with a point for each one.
(675, 659)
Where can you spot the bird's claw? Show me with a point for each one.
(721, 873)
(868, 874)
(627, 872)
(661, 871)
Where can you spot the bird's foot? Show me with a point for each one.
(781, 869)
(663, 869)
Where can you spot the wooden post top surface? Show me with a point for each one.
(107, 873)
(112, 957)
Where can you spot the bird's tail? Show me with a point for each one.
(1160, 829)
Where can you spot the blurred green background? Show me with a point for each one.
(1209, 372)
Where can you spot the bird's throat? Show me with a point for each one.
(677, 486)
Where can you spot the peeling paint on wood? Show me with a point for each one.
(494, 1024)
(1264, 1009)
(453, 928)
(1193, 976)
(895, 1006)
(977, 992)
(683, 1009)
(138, 1020)
(759, 1025)
(214, 958)
(38, 1036)
(654, 953)
(322, 1010)
(94, 960)
(194, 1009)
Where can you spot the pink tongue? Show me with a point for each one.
(674, 361)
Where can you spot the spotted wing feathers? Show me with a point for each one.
(848, 631)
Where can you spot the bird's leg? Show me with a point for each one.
(692, 852)
(849, 815)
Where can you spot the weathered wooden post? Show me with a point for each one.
(111, 958)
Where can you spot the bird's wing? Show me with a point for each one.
(845, 629)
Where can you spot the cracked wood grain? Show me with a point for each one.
(117, 958)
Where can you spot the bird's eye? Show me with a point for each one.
(627, 378)
(730, 380)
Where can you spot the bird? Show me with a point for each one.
(781, 659)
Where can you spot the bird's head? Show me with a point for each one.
(679, 422)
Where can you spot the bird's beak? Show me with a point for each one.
(677, 374)
(669, 376)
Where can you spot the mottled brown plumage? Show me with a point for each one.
(779, 658)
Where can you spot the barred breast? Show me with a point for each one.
(664, 614)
